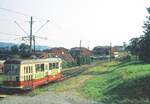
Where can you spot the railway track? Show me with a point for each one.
(72, 72)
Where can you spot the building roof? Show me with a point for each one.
(83, 51)
(60, 52)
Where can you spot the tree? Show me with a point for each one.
(144, 43)
(141, 46)
(134, 46)
(14, 49)
(24, 50)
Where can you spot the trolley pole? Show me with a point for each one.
(34, 42)
(31, 22)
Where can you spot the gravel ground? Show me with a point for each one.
(46, 98)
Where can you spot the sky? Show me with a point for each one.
(95, 22)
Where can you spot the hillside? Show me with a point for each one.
(8, 45)
(4, 45)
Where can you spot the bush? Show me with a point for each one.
(66, 64)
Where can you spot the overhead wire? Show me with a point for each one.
(9, 10)
(27, 16)
(21, 28)
(9, 34)
(41, 26)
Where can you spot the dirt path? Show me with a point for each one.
(46, 98)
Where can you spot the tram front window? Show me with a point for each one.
(11, 69)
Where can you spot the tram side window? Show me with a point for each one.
(42, 67)
(39, 67)
(57, 65)
(50, 66)
(24, 70)
(54, 65)
(27, 69)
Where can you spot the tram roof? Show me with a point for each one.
(2, 61)
(28, 61)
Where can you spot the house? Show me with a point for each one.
(60, 52)
(81, 55)
(119, 48)
(82, 51)
(101, 50)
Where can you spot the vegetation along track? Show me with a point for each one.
(75, 71)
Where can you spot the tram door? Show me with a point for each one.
(29, 76)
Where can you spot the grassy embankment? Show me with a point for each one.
(110, 82)
(126, 83)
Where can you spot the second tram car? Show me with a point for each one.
(31, 73)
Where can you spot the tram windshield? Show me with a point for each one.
(11, 69)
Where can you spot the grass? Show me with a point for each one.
(110, 82)
(124, 83)
(1, 78)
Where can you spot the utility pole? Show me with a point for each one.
(88, 47)
(80, 46)
(80, 52)
(110, 51)
(31, 22)
(30, 36)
